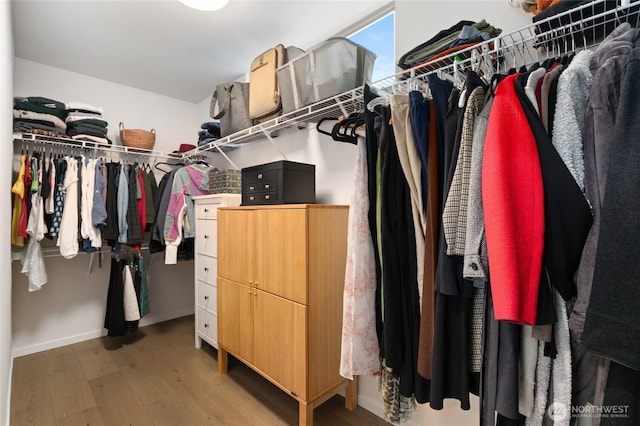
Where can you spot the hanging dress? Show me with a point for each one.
(360, 353)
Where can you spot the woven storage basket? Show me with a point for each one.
(137, 138)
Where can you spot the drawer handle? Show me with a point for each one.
(206, 237)
(206, 210)
(259, 175)
(252, 198)
(266, 197)
(206, 298)
(252, 187)
(206, 269)
(267, 186)
(206, 325)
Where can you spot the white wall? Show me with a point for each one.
(175, 121)
(71, 306)
(6, 359)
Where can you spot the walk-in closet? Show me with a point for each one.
(467, 255)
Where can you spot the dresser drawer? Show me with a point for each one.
(208, 325)
(206, 238)
(262, 198)
(207, 269)
(260, 187)
(258, 176)
(207, 211)
(207, 296)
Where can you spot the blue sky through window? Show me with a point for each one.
(379, 37)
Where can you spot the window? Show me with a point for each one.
(379, 37)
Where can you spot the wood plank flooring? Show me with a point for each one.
(155, 377)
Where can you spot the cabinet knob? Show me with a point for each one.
(206, 269)
(250, 282)
(259, 175)
(206, 298)
(255, 283)
(249, 291)
(206, 210)
(206, 325)
(206, 237)
(251, 187)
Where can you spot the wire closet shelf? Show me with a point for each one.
(67, 146)
(583, 27)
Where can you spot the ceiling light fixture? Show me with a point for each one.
(207, 5)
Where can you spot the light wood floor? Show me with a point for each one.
(155, 377)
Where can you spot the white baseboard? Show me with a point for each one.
(375, 406)
(7, 420)
(166, 316)
(69, 340)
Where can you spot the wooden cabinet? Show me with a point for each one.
(205, 264)
(280, 289)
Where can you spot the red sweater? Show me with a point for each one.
(513, 199)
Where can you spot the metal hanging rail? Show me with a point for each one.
(75, 145)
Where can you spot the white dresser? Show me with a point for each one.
(206, 264)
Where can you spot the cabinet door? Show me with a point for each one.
(235, 318)
(236, 245)
(280, 341)
(281, 241)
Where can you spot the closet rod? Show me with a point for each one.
(77, 145)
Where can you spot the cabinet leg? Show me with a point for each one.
(305, 415)
(198, 342)
(222, 361)
(351, 394)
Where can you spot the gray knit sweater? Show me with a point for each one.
(574, 87)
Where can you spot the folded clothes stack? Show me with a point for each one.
(39, 115)
(85, 122)
(210, 131)
(458, 37)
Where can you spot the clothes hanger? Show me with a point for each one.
(379, 101)
(345, 130)
(162, 163)
(322, 120)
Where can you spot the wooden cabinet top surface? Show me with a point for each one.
(213, 196)
(287, 206)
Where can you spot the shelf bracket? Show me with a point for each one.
(267, 134)
(224, 154)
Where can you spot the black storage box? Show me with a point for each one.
(280, 182)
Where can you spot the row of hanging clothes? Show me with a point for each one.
(75, 203)
(128, 292)
(78, 202)
(482, 251)
(171, 232)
